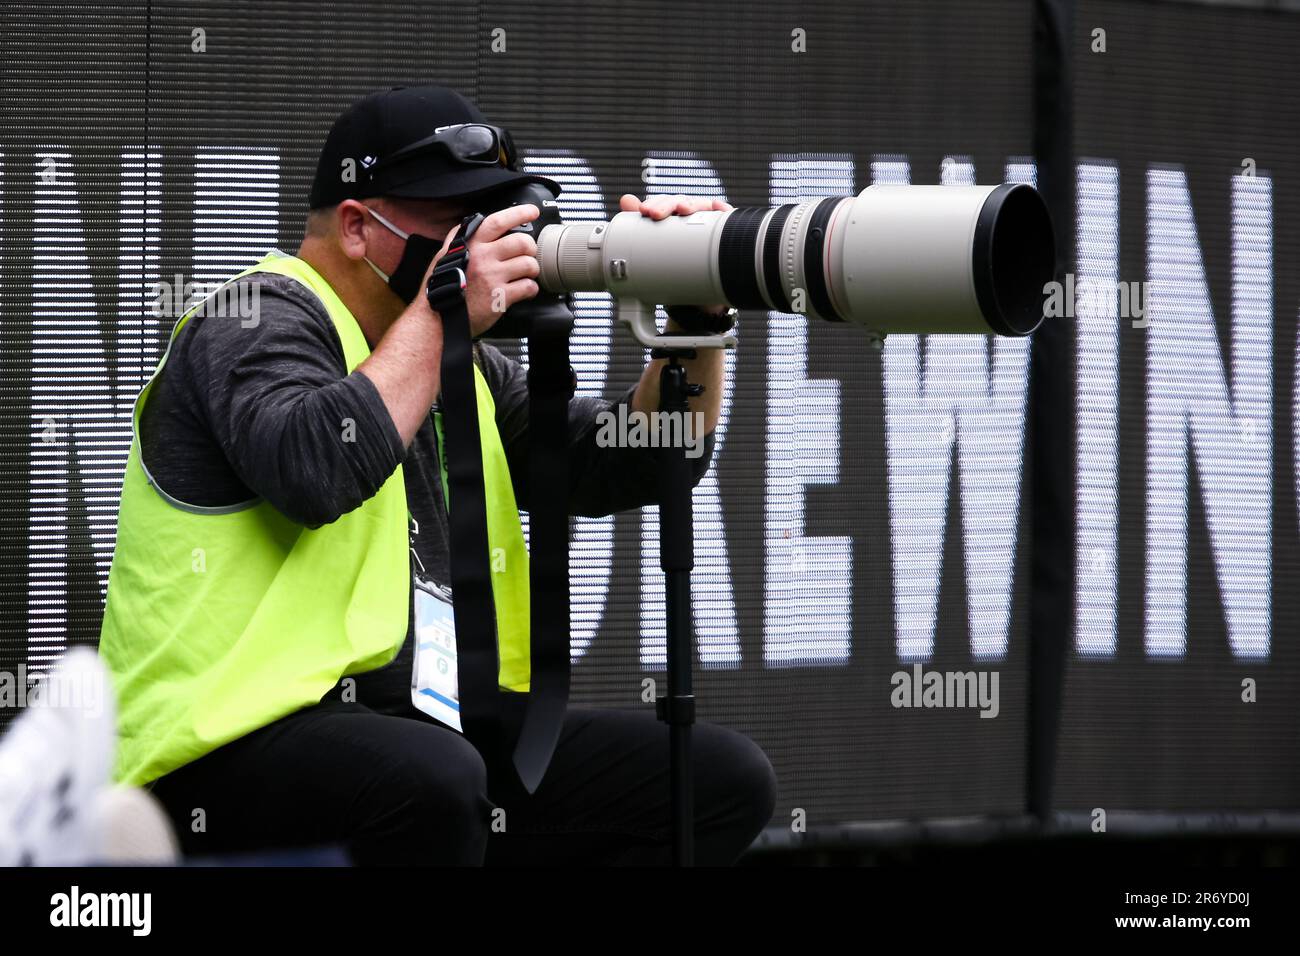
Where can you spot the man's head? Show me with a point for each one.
(411, 160)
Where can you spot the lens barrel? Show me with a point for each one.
(892, 259)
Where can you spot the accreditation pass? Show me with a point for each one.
(435, 686)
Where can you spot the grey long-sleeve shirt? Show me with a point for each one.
(240, 413)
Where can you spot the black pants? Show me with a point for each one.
(407, 790)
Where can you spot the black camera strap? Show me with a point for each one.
(550, 387)
(471, 576)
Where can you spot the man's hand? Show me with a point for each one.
(405, 365)
(661, 207)
(502, 268)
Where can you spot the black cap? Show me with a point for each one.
(381, 124)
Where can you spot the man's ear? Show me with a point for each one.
(350, 228)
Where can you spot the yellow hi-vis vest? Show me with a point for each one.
(219, 621)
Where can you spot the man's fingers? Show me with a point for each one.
(509, 247)
(656, 207)
(520, 289)
(503, 220)
(661, 207)
(521, 267)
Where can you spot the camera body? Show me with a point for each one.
(518, 321)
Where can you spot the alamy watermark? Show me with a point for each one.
(1098, 297)
(241, 300)
(75, 691)
(74, 908)
(636, 429)
(921, 688)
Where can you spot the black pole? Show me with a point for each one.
(677, 558)
(1051, 413)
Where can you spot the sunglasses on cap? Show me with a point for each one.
(478, 144)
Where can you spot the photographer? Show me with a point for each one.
(259, 621)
